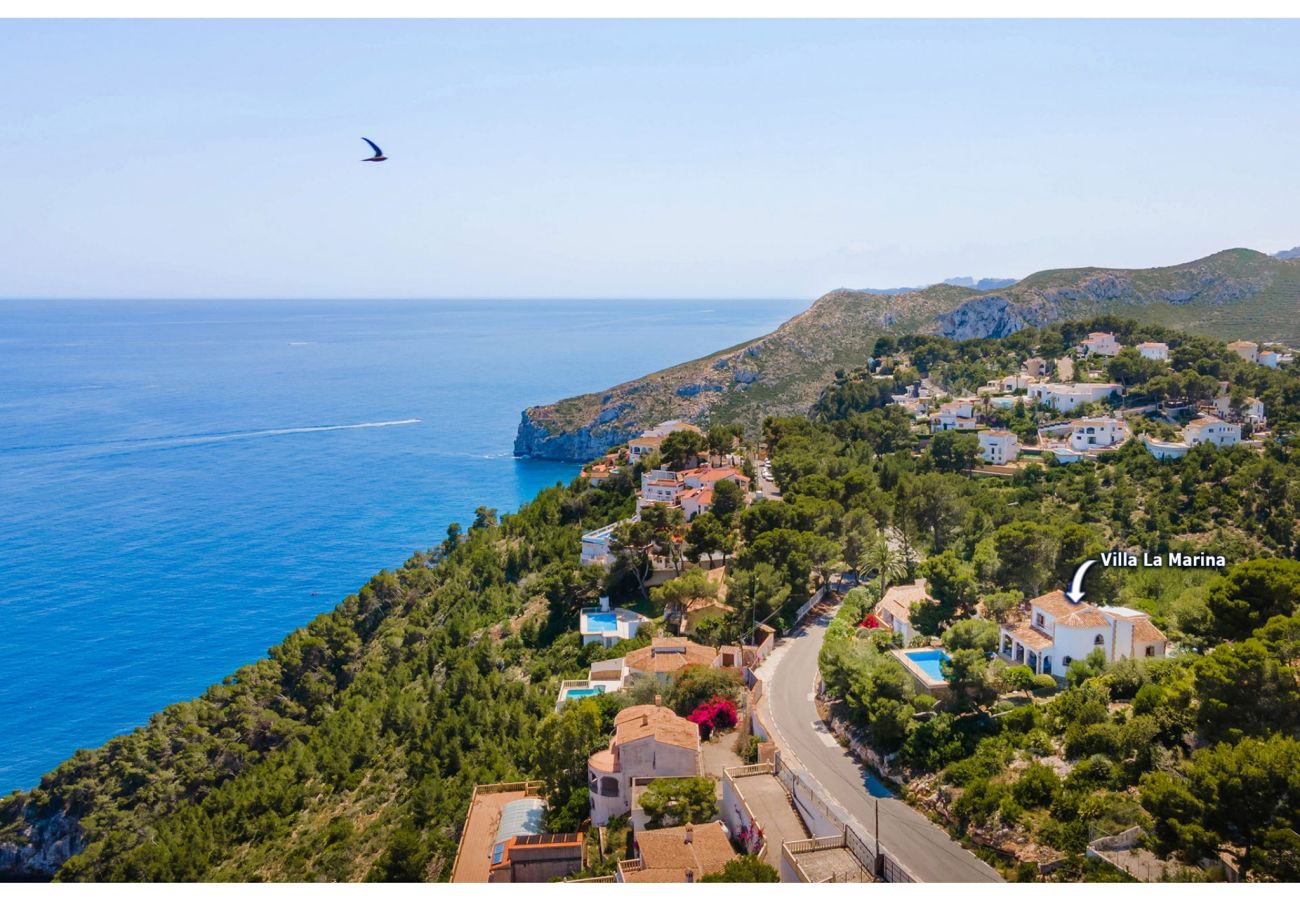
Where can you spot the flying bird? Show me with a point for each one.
(379, 154)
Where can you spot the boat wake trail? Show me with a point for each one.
(166, 442)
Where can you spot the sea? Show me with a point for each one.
(182, 483)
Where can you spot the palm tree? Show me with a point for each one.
(880, 558)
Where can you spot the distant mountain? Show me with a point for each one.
(1293, 253)
(984, 284)
(1235, 293)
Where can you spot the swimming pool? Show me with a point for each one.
(928, 662)
(571, 693)
(602, 622)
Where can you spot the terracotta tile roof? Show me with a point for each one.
(1055, 604)
(603, 761)
(1027, 635)
(1145, 632)
(668, 655)
(668, 853)
(898, 599)
(720, 474)
(659, 722)
(1083, 618)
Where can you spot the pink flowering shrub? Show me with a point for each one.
(713, 714)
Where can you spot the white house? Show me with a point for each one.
(1068, 397)
(1099, 343)
(1006, 384)
(895, 608)
(1154, 350)
(1165, 449)
(1054, 632)
(954, 414)
(1247, 350)
(1035, 366)
(1274, 358)
(1212, 430)
(1096, 433)
(998, 447)
(605, 626)
(649, 741)
(595, 544)
(1252, 409)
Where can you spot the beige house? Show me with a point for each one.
(649, 741)
(895, 608)
(1247, 350)
(684, 854)
(1157, 350)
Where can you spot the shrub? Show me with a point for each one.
(749, 749)
(1038, 785)
(713, 715)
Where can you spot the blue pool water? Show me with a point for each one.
(928, 661)
(183, 483)
(570, 693)
(604, 623)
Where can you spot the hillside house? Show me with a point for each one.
(691, 490)
(1099, 343)
(954, 414)
(666, 656)
(503, 842)
(1097, 432)
(649, 741)
(1212, 430)
(1247, 350)
(1069, 397)
(1156, 350)
(1054, 632)
(998, 447)
(1036, 367)
(895, 608)
(684, 854)
(650, 441)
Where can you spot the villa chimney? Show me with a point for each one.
(659, 700)
(690, 835)
(690, 876)
(645, 720)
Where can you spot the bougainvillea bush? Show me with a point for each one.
(714, 714)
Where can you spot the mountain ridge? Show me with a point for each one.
(1237, 293)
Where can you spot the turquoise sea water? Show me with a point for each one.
(183, 483)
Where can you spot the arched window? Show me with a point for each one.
(1099, 641)
(1067, 661)
(608, 786)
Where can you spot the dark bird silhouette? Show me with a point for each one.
(379, 154)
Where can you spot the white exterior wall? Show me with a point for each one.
(1220, 434)
(1159, 351)
(998, 448)
(1089, 435)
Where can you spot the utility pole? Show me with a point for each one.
(880, 863)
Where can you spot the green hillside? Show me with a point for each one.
(1235, 293)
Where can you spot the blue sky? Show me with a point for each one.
(631, 159)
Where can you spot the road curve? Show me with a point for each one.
(905, 834)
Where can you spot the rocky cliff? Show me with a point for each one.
(1233, 293)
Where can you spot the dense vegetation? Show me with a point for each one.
(350, 751)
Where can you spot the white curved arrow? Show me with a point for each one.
(1075, 593)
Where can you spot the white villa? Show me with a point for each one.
(954, 414)
(1252, 409)
(1202, 430)
(1054, 632)
(605, 626)
(1212, 430)
(895, 608)
(1099, 343)
(1154, 350)
(1007, 384)
(1274, 358)
(595, 544)
(604, 677)
(1097, 432)
(1068, 397)
(649, 741)
(1035, 366)
(998, 447)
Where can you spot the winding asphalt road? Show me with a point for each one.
(906, 835)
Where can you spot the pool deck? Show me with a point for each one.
(934, 686)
